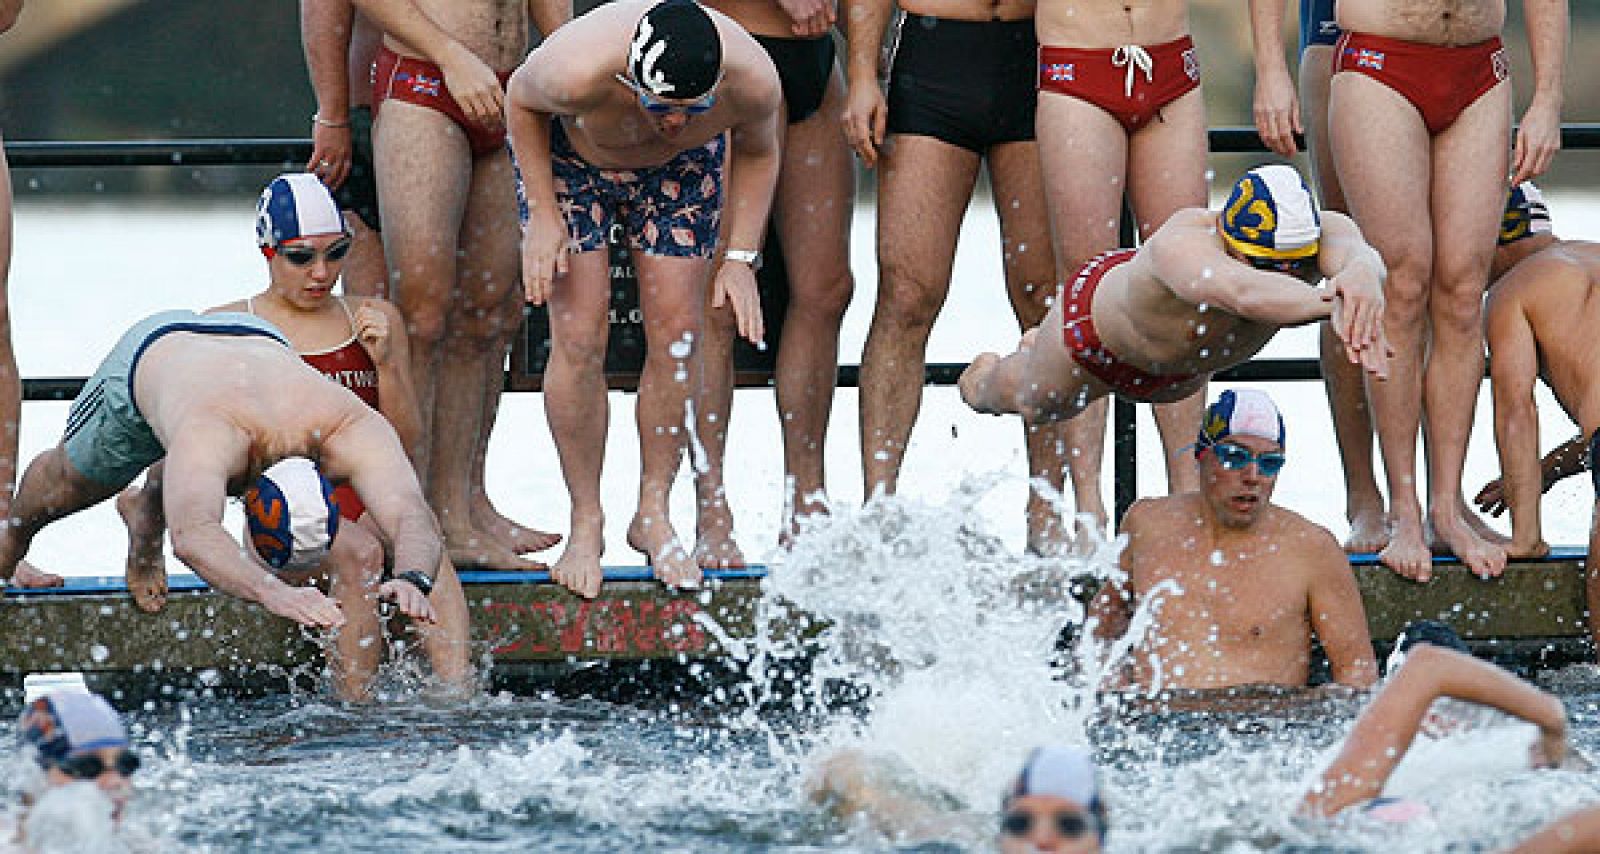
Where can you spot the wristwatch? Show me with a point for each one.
(751, 257)
(417, 579)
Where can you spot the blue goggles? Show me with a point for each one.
(657, 107)
(1234, 458)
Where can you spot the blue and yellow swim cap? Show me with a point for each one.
(1525, 214)
(1271, 215)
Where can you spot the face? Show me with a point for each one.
(109, 768)
(9, 10)
(305, 269)
(669, 116)
(1036, 822)
(1238, 495)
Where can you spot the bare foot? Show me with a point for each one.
(146, 567)
(1485, 559)
(1369, 530)
(579, 569)
(518, 538)
(714, 545)
(28, 575)
(1407, 552)
(1482, 528)
(476, 550)
(974, 381)
(654, 538)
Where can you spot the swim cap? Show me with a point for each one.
(1422, 631)
(1526, 214)
(676, 52)
(65, 723)
(1241, 412)
(291, 515)
(295, 204)
(1062, 772)
(1271, 214)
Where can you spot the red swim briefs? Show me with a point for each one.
(1083, 342)
(1109, 78)
(420, 82)
(1439, 81)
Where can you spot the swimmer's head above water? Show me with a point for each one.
(74, 736)
(1054, 804)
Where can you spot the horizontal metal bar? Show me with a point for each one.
(25, 154)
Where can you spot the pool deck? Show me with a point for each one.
(535, 630)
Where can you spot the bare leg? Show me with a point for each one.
(146, 519)
(481, 315)
(353, 567)
(1470, 165)
(485, 517)
(672, 295)
(1344, 382)
(576, 405)
(1591, 585)
(1383, 145)
(1030, 270)
(923, 189)
(365, 272)
(448, 642)
(714, 542)
(1040, 381)
(51, 489)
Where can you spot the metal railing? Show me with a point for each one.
(291, 153)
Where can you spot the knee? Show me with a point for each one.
(356, 556)
(828, 296)
(907, 297)
(425, 326)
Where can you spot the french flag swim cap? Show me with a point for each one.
(295, 204)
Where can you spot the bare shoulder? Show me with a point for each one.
(1300, 537)
(750, 79)
(1184, 233)
(237, 305)
(1152, 516)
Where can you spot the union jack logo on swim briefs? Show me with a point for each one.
(1365, 58)
(1497, 61)
(1060, 72)
(422, 84)
(1191, 64)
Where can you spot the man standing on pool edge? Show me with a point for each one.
(636, 106)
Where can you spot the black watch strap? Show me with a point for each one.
(418, 580)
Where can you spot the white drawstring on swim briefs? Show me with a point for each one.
(1135, 59)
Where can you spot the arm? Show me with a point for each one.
(809, 18)
(1277, 104)
(193, 492)
(1356, 275)
(866, 113)
(325, 27)
(534, 95)
(549, 15)
(365, 450)
(753, 163)
(1513, 367)
(382, 333)
(1572, 834)
(472, 83)
(1539, 135)
(1384, 732)
(1187, 256)
(1337, 615)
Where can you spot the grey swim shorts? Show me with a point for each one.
(107, 439)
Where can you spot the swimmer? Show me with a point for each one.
(70, 737)
(1054, 804)
(655, 104)
(1240, 585)
(1206, 292)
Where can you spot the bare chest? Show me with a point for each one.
(495, 30)
(1444, 22)
(1111, 23)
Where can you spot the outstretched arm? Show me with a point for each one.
(539, 90)
(1187, 256)
(1277, 104)
(1385, 730)
(1572, 834)
(1564, 460)
(1513, 368)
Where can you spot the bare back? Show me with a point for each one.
(1558, 291)
(1241, 613)
(1441, 22)
(578, 66)
(1112, 23)
(495, 30)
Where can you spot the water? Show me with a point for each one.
(942, 632)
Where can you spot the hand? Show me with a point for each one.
(474, 86)
(1491, 498)
(545, 245)
(1550, 750)
(1277, 112)
(810, 18)
(866, 119)
(411, 601)
(1538, 140)
(305, 605)
(372, 330)
(330, 154)
(736, 283)
(1356, 317)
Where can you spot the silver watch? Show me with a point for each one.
(751, 257)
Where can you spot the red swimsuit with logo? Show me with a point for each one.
(1083, 340)
(420, 82)
(1439, 80)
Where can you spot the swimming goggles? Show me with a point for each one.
(1234, 458)
(1288, 266)
(89, 766)
(657, 107)
(304, 256)
(1069, 824)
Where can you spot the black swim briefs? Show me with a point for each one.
(804, 66)
(968, 83)
(359, 192)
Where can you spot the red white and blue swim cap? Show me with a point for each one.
(1271, 214)
(291, 515)
(676, 51)
(1242, 412)
(65, 723)
(1525, 214)
(295, 204)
